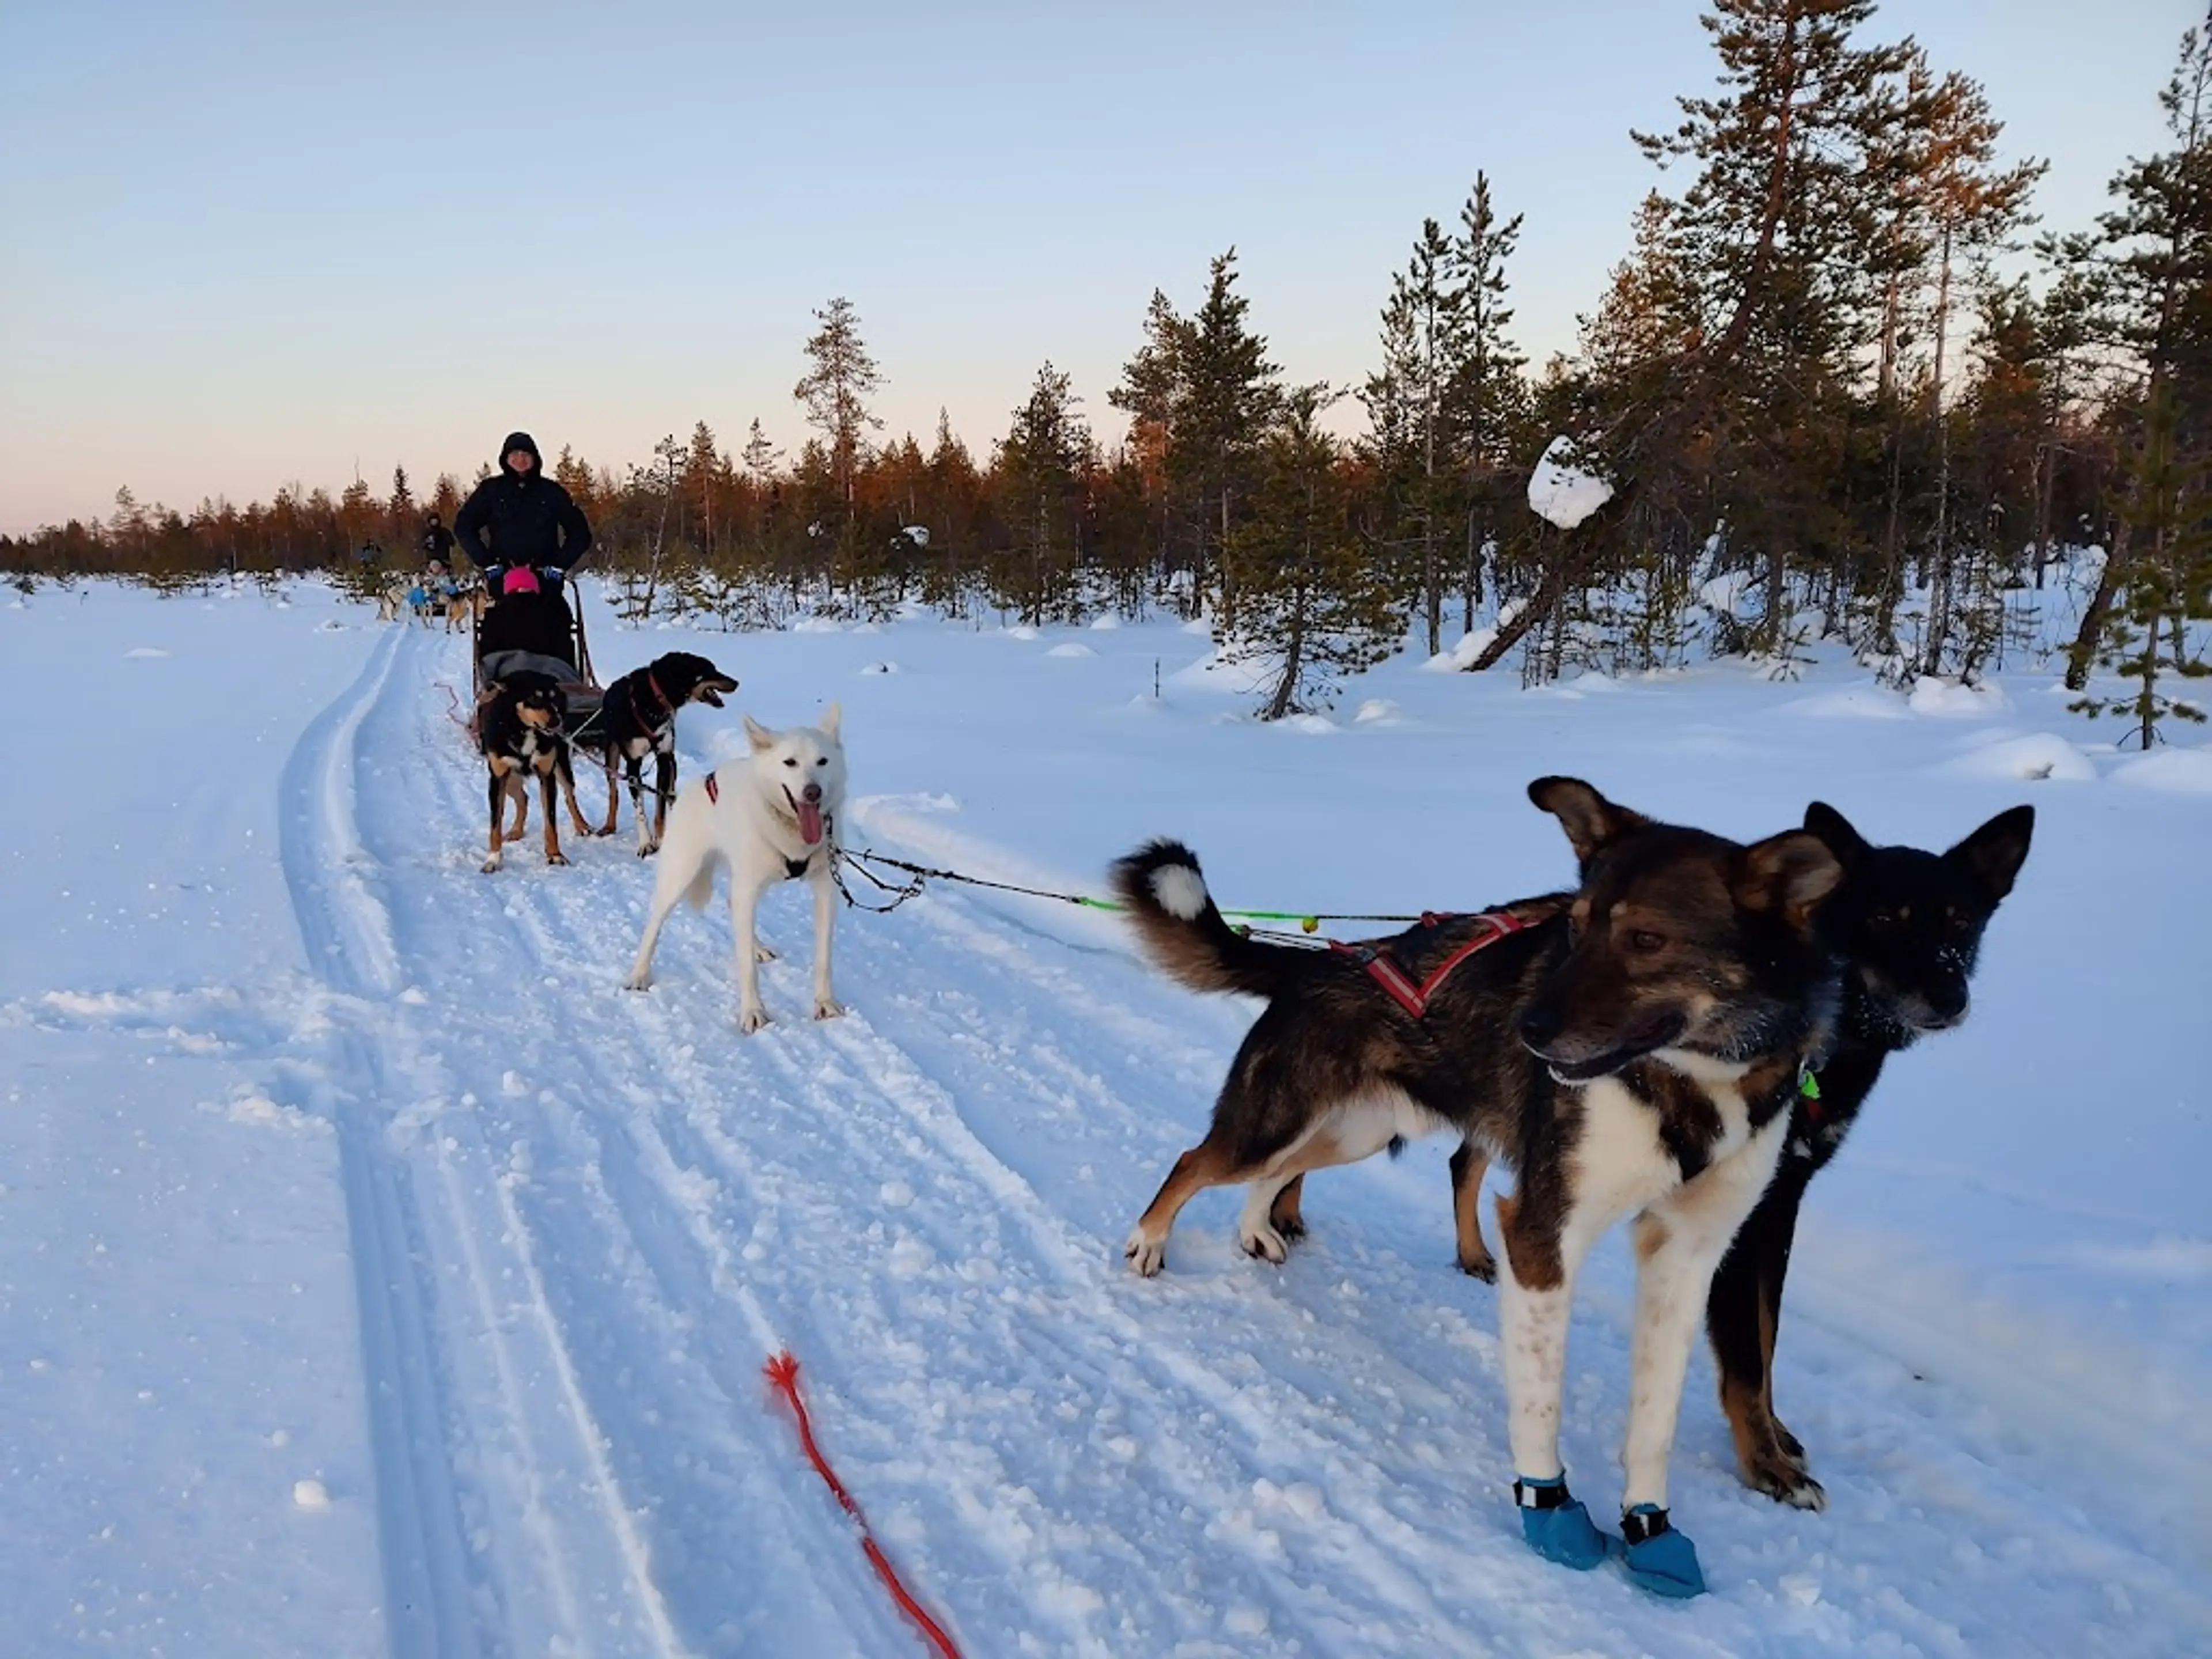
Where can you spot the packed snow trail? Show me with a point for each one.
(583, 1217)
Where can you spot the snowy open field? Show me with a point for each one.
(377, 1277)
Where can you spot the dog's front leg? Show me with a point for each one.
(496, 794)
(613, 752)
(825, 914)
(553, 852)
(1679, 1241)
(1743, 1311)
(664, 783)
(745, 908)
(563, 764)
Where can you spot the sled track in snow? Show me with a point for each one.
(429, 1609)
(582, 1216)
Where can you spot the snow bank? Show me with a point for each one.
(2038, 756)
(1948, 699)
(1562, 493)
(2174, 771)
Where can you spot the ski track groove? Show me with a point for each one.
(1320, 1445)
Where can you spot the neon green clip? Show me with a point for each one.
(1809, 1083)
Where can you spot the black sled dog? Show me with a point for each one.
(1908, 925)
(636, 718)
(1629, 1050)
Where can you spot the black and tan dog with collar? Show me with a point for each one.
(522, 728)
(637, 718)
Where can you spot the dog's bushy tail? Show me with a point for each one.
(701, 887)
(1161, 887)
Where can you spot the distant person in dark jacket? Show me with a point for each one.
(437, 542)
(520, 519)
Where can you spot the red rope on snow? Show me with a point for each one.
(783, 1372)
(453, 704)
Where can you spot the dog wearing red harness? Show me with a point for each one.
(1630, 1050)
(771, 817)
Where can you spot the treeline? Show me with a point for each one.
(1838, 378)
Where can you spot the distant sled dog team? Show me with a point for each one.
(1680, 1040)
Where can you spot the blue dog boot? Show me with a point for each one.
(1557, 1527)
(1659, 1559)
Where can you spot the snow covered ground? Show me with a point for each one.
(377, 1277)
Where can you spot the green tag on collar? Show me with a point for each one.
(1809, 1083)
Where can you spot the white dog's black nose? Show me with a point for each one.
(812, 792)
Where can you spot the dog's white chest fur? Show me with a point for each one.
(1622, 1160)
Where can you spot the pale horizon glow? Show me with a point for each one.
(247, 247)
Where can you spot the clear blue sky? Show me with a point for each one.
(247, 245)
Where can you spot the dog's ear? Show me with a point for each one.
(830, 719)
(1997, 850)
(493, 691)
(1833, 828)
(758, 735)
(1592, 822)
(1788, 874)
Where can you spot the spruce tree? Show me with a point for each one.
(1040, 491)
(1229, 399)
(835, 392)
(1313, 603)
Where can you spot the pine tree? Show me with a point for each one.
(400, 517)
(1153, 392)
(1409, 405)
(1040, 487)
(2170, 509)
(1312, 601)
(1773, 233)
(835, 391)
(1487, 402)
(1229, 398)
(2149, 270)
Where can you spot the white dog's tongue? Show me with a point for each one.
(810, 823)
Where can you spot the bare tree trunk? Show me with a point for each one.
(1939, 581)
(1474, 588)
(2082, 656)
(1569, 567)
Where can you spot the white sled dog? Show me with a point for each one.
(772, 817)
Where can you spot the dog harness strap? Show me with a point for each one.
(1383, 969)
(667, 707)
(1644, 1521)
(713, 789)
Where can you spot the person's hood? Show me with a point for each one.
(521, 441)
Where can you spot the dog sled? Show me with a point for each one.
(542, 631)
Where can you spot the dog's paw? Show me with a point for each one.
(556, 858)
(640, 980)
(1264, 1243)
(1146, 1255)
(1783, 1478)
(646, 849)
(828, 1008)
(1483, 1266)
(752, 1019)
(491, 864)
(765, 953)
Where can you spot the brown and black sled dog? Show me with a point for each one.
(1628, 1049)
